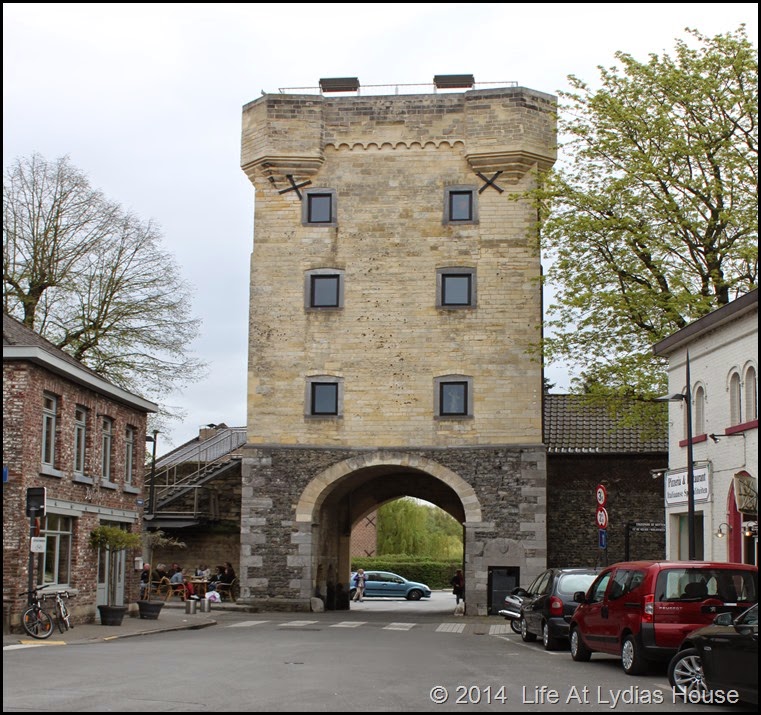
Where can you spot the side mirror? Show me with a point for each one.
(580, 597)
(723, 619)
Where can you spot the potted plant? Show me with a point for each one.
(112, 540)
(150, 609)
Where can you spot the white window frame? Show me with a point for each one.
(735, 399)
(80, 439)
(107, 437)
(750, 390)
(49, 426)
(129, 455)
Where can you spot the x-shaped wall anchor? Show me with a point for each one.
(489, 182)
(294, 186)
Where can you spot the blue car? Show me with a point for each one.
(391, 585)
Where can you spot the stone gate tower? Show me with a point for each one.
(395, 305)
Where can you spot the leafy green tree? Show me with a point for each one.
(651, 217)
(93, 279)
(406, 526)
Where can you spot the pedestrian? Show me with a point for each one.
(359, 585)
(458, 586)
(145, 581)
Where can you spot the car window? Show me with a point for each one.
(750, 617)
(618, 587)
(569, 583)
(598, 588)
(543, 585)
(697, 584)
(535, 583)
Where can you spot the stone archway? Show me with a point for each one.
(298, 507)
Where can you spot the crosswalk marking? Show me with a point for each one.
(451, 628)
(398, 626)
(348, 624)
(296, 624)
(499, 630)
(246, 624)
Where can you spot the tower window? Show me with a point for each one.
(319, 207)
(460, 204)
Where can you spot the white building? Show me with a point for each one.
(715, 361)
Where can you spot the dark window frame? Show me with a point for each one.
(450, 193)
(443, 274)
(306, 207)
(312, 385)
(440, 385)
(310, 278)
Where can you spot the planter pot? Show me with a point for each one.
(150, 609)
(112, 615)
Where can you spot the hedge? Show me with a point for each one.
(434, 574)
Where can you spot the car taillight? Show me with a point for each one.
(647, 615)
(556, 605)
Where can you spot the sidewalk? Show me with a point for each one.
(172, 618)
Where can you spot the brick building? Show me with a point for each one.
(395, 303)
(82, 438)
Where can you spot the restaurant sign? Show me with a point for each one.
(675, 485)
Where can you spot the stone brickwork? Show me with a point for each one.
(389, 162)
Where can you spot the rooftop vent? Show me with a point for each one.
(339, 84)
(453, 81)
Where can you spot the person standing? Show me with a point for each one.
(458, 586)
(359, 585)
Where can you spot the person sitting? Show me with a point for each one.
(229, 574)
(217, 577)
(178, 580)
(145, 581)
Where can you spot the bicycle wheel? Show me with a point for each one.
(37, 623)
(64, 623)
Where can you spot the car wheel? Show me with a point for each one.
(579, 652)
(631, 657)
(686, 672)
(515, 624)
(548, 641)
(414, 595)
(527, 636)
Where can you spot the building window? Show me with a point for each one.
(751, 395)
(699, 409)
(735, 399)
(49, 413)
(324, 396)
(460, 204)
(456, 288)
(80, 439)
(55, 566)
(682, 537)
(324, 288)
(453, 396)
(107, 437)
(319, 208)
(129, 454)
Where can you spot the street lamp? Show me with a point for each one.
(686, 397)
(152, 484)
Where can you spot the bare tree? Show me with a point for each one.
(94, 280)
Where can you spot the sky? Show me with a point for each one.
(146, 99)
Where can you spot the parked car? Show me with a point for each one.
(385, 583)
(547, 604)
(511, 608)
(643, 610)
(719, 657)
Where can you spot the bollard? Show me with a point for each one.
(205, 605)
(190, 606)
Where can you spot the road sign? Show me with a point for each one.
(37, 545)
(603, 538)
(602, 517)
(602, 495)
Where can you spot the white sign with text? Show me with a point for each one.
(675, 484)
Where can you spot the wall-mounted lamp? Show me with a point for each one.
(720, 532)
(750, 528)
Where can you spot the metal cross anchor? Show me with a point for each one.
(294, 186)
(489, 182)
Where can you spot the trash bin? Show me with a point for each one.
(190, 606)
(205, 604)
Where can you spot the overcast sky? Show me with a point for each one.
(146, 100)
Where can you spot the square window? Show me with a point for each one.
(455, 289)
(453, 398)
(320, 208)
(324, 291)
(461, 206)
(324, 398)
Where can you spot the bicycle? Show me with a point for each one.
(62, 612)
(37, 622)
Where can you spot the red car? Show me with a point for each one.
(643, 610)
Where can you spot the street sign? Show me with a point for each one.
(602, 517)
(602, 495)
(603, 538)
(37, 545)
(648, 526)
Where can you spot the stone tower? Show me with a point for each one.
(395, 309)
